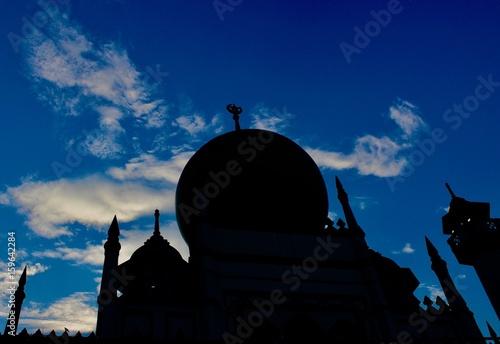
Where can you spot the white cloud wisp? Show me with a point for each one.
(378, 156)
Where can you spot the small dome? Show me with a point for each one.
(160, 274)
(251, 179)
(156, 251)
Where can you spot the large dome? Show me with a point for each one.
(251, 179)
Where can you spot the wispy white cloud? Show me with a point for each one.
(77, 312)
(434, 291)
(406, 249)
(74, 74)
(5, 198)
(334, 160)
(378, 156)
(270, 119)
(195, 124)
(443, 209)
(404, 114)
(92, 254)
(103, 144)
(130, 240)
(51, 206)
(363, 202)
(35, 268)
(149, 167)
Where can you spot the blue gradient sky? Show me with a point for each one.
(104, 102)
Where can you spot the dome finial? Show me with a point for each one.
(235, 110)
(157, 223)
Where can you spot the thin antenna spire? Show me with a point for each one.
(450, 190)
(352, 224)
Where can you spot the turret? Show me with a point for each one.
(108, 291)
(462, 315)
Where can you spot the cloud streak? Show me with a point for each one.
(434, 291)
(76, 312)
(406, 249)
(51, 206)
(270, 119)
(130, 240)
(378, 156)
(78, 77)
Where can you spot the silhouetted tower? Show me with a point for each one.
(15, 310)
(463, 316)
(108, 292)
(475, 241)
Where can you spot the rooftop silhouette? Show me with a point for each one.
(267, 265)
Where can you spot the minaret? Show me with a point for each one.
(108, 292)
(475, 241)
(463, 316)
(352, 224)
(15, 306)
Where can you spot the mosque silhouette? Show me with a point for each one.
(267, 265)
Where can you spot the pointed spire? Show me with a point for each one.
(450, 190)
(437, 263)
(108, 292)
(114, 230)
(493, 334)
(113, 242)
(22, 280)
(431, 249)
(460, 311)
(157, 223)
(352, 224)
